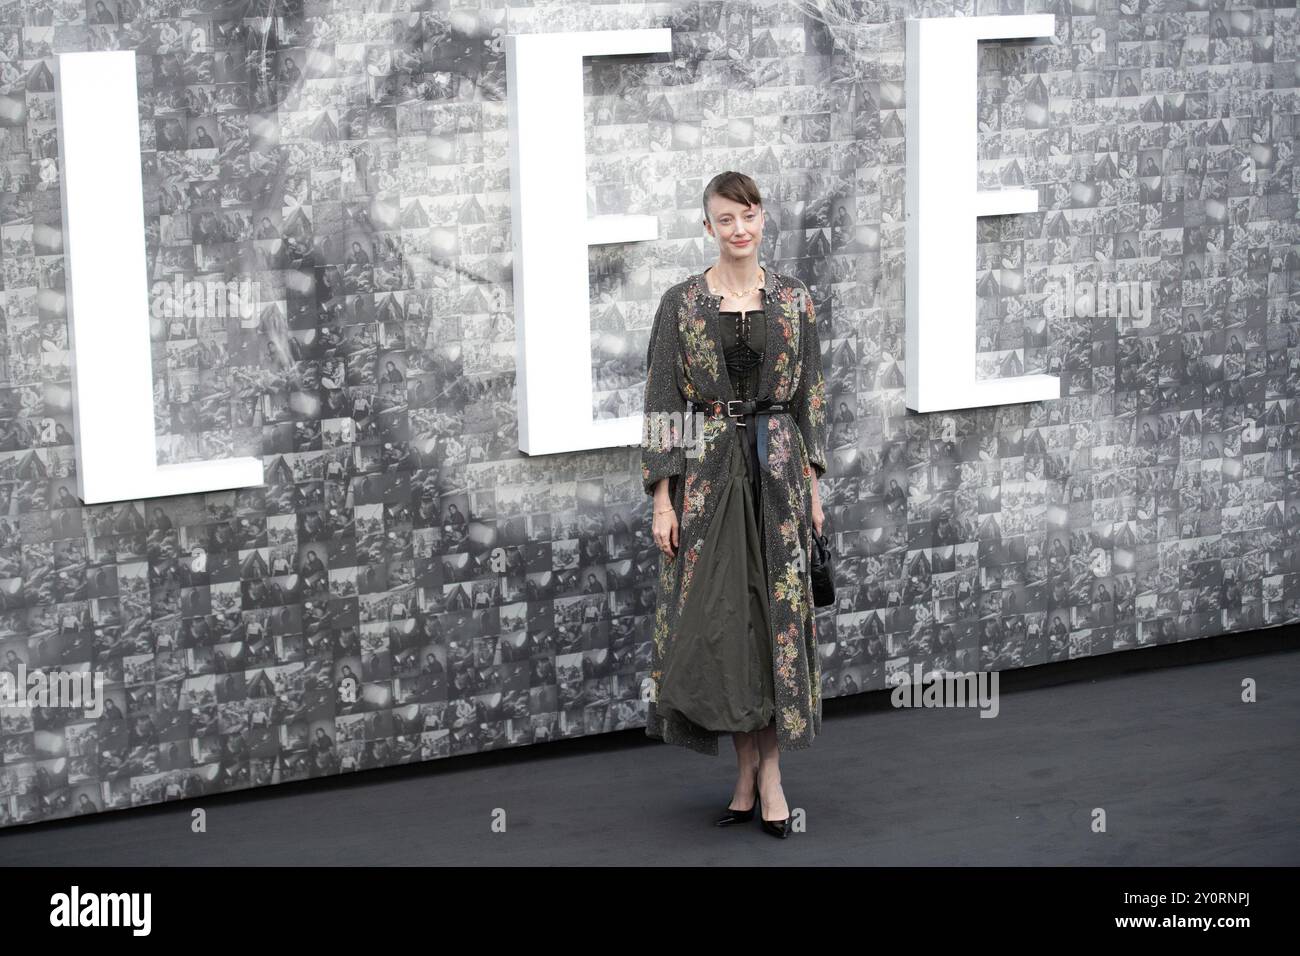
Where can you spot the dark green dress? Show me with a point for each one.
(720, 684)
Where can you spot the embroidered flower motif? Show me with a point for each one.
(794, 722)
(691, 556)
(790, 535)
(660, 632)
(778, 445)
(789, 587)
(696, 493)
(694, 329)
(816, 410)
(783, 377)
(713, 428)
(786, 660)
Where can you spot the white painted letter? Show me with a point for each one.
(943, 201)
(107, 288)
(551, 231)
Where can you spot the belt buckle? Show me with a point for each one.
(734, 401)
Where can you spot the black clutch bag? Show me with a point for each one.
(823, 578)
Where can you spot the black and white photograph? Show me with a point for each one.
(332, 265)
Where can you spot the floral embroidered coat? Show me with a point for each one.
(685, 363)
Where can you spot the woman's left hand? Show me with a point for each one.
(818, 518)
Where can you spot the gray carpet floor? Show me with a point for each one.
(1184, 771)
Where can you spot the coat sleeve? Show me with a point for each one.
(663, 454)
(810, 397)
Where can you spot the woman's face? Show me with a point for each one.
(737, 228)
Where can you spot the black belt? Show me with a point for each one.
(736, 408)
(742, 412)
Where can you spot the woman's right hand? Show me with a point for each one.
(664, 529)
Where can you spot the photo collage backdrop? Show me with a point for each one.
(333, 177)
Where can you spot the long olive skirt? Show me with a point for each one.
(718, 671)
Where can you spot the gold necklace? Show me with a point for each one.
(745, 292)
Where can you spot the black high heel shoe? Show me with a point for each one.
(778, 828)
(730, 816)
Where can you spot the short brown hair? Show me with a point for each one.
(734, 186)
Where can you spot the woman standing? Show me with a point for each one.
(735, 415)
